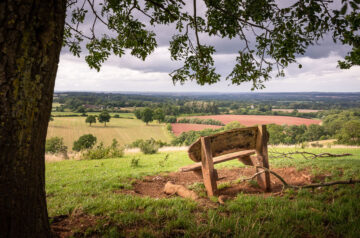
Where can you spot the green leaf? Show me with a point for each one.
(343, 9)
(354, 5)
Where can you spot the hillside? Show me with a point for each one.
(123, 130)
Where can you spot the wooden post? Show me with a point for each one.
(208, 167)
(262, 152)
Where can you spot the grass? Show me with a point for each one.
(124, 130)
(90, 186)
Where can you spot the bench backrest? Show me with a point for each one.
(227, 142)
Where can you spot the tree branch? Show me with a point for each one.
(95, 13)
(77, 31)
(196, 31)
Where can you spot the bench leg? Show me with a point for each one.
(264, 178)
(262, 155)
(208, 167)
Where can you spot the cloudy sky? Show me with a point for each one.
(319, 71)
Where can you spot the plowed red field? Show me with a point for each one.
(250, 120)
(246, 120)
(179, 128)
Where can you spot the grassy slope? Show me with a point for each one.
(90, 186)
(123, 129)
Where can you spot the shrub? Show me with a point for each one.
(137, 113)
(149, 146)
(200, 121)
(233, 125)
(116, 116)
(187, 138)
(138, 142)
(169, 127)
(99, 152)
(55, 145)
(104, 152)
(134, 162)
(84, 142)
(115, 150)
(170, 119)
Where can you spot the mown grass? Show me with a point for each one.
(124, 130)
(92, 187)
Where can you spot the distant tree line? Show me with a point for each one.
(200, 121)
(180, 105)
(341, 125)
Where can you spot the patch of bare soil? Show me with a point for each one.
(153, 186)
(71, 225)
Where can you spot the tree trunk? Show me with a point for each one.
(31, 34)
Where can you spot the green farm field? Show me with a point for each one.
(124, 130)
(103, 198)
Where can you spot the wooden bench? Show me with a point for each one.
(249, 145)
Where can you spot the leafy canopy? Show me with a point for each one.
(271, 33)
(147, 115)
(90, 119)
(104, 117)
(84, 142)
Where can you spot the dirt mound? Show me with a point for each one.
(153, 186)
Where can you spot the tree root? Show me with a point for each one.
(304, 154)
(315, 185)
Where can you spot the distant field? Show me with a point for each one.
(246, 120)
(123, 130)
(250, 120)
(178, 128)
(291, 110)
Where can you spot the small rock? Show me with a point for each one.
(223, 198)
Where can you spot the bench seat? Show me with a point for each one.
(219, 159)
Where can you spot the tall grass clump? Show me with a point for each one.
(149, 146)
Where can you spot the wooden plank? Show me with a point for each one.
(208, 167)
(262, 152)
(226, 142)
(219, 159)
